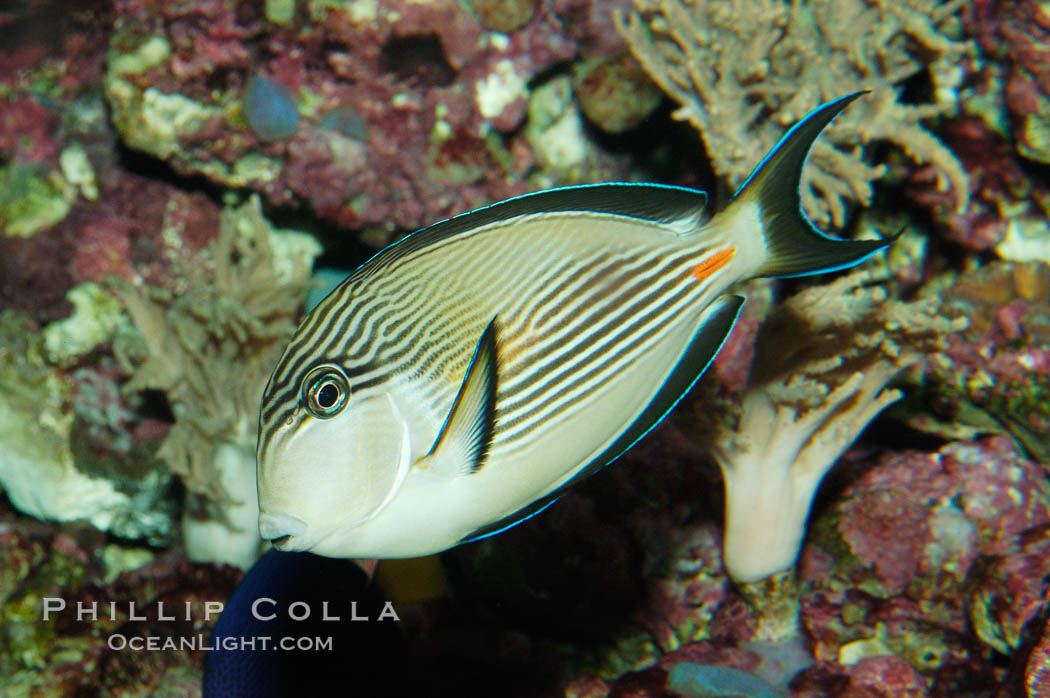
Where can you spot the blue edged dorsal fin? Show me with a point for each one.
(464, 441)
(680, 207)
(714, 327)
(659, 203)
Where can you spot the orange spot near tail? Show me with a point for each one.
(713, 263)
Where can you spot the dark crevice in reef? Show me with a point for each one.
(418, 58)
(149, 167)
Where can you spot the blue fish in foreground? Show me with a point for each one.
(460, 380)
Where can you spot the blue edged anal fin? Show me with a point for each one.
(464, 441)
(715, 324)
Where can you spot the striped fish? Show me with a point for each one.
(464, 377)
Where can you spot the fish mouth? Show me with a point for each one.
(281, 529)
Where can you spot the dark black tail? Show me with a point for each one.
(795, 247)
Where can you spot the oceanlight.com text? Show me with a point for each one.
(261, 643)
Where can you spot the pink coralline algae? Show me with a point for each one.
(115, 222)
(34, 274)
(134, 226)
(50, 51)
(1004, 112)
(1009, 589)
(885, 676)
(685, 603)
(54, 44)
(1019, 33)
(998, 184)
(26, 128)
(138, 231)
(936, 548)
(888, 676)
(439, 97)
(104, 250)
(995, 376)
(938, 511)
(591, 24)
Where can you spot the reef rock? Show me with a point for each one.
(42, 470)
(220, 90)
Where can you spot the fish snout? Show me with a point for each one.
(281, 528)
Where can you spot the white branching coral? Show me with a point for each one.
(211, 350)
(824, 360)
(777, 457)
(744, 71)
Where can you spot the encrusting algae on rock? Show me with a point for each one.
(995, 377)
(743, 72)
(210, 350)
(47, 465)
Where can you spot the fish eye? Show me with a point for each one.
(325, 391)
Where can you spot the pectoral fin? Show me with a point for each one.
(463, 444)
(712, 330)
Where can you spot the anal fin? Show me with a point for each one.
(463, 444)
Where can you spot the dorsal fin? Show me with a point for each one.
(658, 203)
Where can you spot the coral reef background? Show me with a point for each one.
(177, 177)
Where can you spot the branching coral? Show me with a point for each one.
(744, 71)
(211, 349)
(824, 360)
(771, 482)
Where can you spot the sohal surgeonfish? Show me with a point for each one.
(461, 379)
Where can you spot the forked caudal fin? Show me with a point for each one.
(794, 246)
